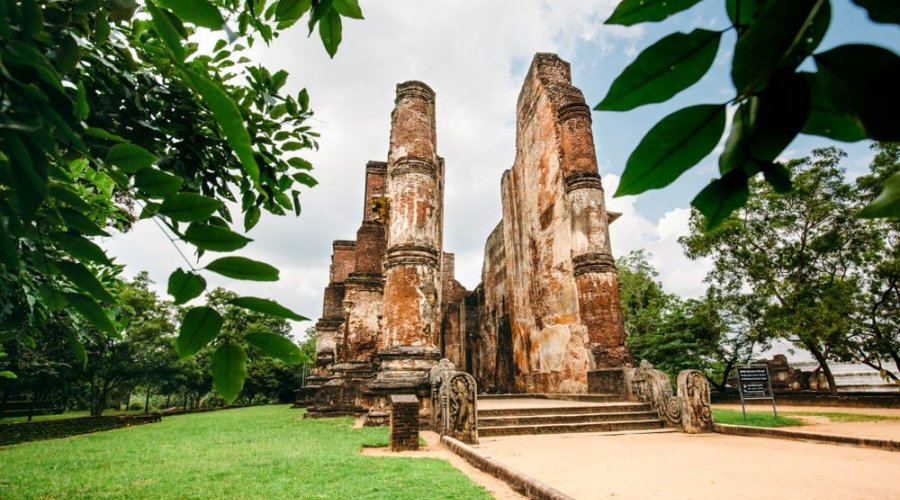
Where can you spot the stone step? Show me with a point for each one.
(541, 395)
(565, 419)
(514, 430)
(565, 410)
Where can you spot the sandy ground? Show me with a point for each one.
(883, 429)
(683, 466)
(433, 449)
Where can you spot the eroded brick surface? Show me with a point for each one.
(547, 310)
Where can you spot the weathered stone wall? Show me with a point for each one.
(561, 286)
(21, 432)
(493, 313)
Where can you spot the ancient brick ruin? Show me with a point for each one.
(546, 314)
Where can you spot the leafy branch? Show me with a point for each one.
(852, 96)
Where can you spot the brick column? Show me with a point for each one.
(596, 277)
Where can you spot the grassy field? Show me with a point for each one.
(258, 452)
(754, 418)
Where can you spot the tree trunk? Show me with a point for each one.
(823, 363)
(727, 371)
(147, 402)
(168, 400)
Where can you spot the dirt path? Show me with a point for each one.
(686, 466)
(433, 449)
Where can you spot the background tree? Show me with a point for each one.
(850, 97)
(801, 254)
(111, 114)
(671, 333)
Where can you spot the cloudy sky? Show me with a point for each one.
(474, 54)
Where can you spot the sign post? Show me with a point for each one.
(754, 383)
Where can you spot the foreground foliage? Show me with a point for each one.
(851, 96)
(111, 114)
(259, 452)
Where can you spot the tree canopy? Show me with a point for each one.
(111, 114)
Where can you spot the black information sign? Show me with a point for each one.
(754, 383)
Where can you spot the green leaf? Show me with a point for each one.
(662, 70)
(29, 173)
(861, 81)
(67, 196)
(304, 178)
(672, 146)
(78, 350)
(103, 134)
(330, 32)
(214, 238)
(722, 197)
(77, 221)
(750, 10)
(199, 326)
(167, 31)
(101, 27)
(229, 118)
(784, 34)
(251, 217)
(229, 369)
(82, 108)
(32, 20)
(350, 8)
(778, 115)
(157, 183)
(881, 11)
(289, 12)
(631, 12)
(299, 163)
(267, 306)
(825, 119)
(8, 374)
(92, 312)
(303, 99)
(80, 248)
(199, 12)
(242, 268)
(887, 204)
(184, 286)
(68, 55)
(52, 298)
(189, 207)
(84, 279)
(276, 346)
(778, 176)
(129, 157)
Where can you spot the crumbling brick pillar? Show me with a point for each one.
(404, 422)
(412, 260)
(412, 263)
(596, 277)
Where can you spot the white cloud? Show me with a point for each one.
(633, 231)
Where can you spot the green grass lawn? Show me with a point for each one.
(259, 452)
(754, 418)
(842, 417)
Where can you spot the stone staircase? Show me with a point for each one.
(507, 415)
